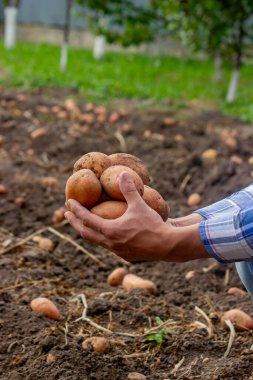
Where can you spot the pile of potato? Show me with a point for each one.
(94, 184)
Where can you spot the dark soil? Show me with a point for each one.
(29, 340)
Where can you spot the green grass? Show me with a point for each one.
(126, 76)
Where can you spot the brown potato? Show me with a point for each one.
(236, 292)
(110, 209)
(115, 278)
(109, 181)
(58, 215)
(131, 281)
(240, 320)
(131, 162)
(156, 202)
(84, 187)
(194, 200)
(46, 307)
(95, 161)
(96, 343)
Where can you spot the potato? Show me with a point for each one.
(210, 154)
(58, 215)
(131, 162)
(136, 376)
(46, 307)
(96, 343)
(104, 198)
(84, 187)
(190, 274)
(131, 281)
(44, 243)
(194, 200)
(38, 133)
(115, 278)
(156, 202)
(237, 291)
(240, 320)
(95, 161)
(109, 181)
(110, 209)
(49, 181)
(3, 189)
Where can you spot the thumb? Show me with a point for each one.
(128, 188)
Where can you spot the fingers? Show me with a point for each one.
(87, 218)
(85, 232)
(128, 189)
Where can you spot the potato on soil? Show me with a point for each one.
(84, 187)
(3, 189)
(156, 202)
(109, 181)
(116, 277)
(136, 376)
(44, 243)
(194, 200)
(95, 161)
(46, 307)
(131, 281)
(131, 162)
(237, 292)
(110, 209)
(96, 343)
(240, 320)
(58, 215)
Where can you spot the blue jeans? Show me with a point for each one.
(245, 271)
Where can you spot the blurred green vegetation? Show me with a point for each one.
(127, 75)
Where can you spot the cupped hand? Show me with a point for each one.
(139, 234)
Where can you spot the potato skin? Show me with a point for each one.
(97, 343)
(116, 277)
(109, 181)
(46, 307)
(156, 202)
(131, 281)
(132, 162)
(95, 161)
(84, 187)
(240, 320)
(110, 209)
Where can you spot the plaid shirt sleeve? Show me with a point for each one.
(227, 232)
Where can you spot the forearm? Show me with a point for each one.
(184, 244)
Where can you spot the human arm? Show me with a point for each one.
(230, 204)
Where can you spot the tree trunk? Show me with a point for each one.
(64, 47)
(10, 26)
(99, 47)
(217, 68)
(232, 89)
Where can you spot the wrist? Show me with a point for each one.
(186, 220)
(183, 244)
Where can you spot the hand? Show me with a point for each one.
(139, 234)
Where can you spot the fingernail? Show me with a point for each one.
(68, 205)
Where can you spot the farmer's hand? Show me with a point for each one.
(139, 234)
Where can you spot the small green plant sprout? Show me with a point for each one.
(159, 336)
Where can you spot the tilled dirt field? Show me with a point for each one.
(33, 347)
